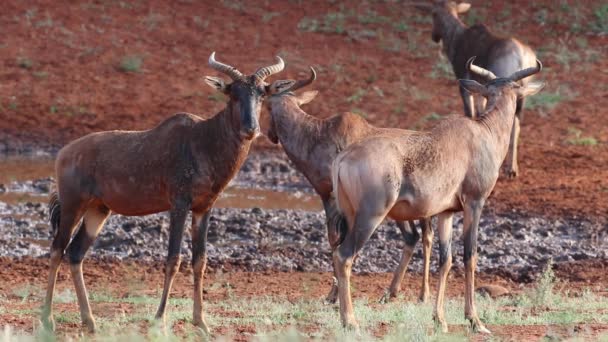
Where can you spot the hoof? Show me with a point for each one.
(89, 326)
(511, 173)
(203, 327)
(387, 297)
(477, 327)
(351, 326)
(48, 323)
(441, 325)
(424, 299)
(332, 296)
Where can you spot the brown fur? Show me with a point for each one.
(312, 144)
(181, 165)
(501, 55)
(411, 176)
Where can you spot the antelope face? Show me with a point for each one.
(246, 93)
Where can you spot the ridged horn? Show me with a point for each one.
(303, 83)
(487, 74)
(518, 75)
(231, 71)
(264, 72)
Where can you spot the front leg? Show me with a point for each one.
(178, 215)
(332, 220)
(472, 214)
(200, 226)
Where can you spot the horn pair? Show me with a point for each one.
(261, 74)
(516, 76)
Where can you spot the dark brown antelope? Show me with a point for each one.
(502, 56)
(416, 175)
(312, 144)
(181, 165)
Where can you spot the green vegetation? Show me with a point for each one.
(547, 100)
(442, 69)
(600, 24)
(131, 63)
(333, 22)
(576, 138)
(276, 318)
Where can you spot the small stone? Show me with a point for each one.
(493, 291)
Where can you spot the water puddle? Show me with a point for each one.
(17, 173)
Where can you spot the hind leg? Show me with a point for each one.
(343, 257)
(333, 236)
(411, 237)
(94, 218)
(70, 214)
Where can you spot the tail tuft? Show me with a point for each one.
(54, 212)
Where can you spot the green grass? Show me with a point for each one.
(277, 318)
(332, 22)
(131, 63)
(442, 69)
(575, 137)
(600, 24)
(547, 100)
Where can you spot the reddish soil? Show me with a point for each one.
(60, 76)
(135, 279)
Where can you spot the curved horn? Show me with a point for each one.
(518, 75)
(487, 74)
(303, 83)
(225, 68)
(264, 72)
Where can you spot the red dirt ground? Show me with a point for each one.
(111, 277)
(59, 75)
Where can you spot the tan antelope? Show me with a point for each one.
(312, 144)
(418, 175)
(502, 56)
(181, 165)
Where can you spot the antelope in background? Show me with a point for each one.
(312, 144)
(502, 56)
(420, 174)
(182, 164)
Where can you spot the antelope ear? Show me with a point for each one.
(463, 7)
(473, 86)
(530, 89)
(217, 84)
(306, 97)
(280, 86)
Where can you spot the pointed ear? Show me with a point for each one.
(217, 84)
(463, 7)
(280, 86)
(473, 87)
(530, 89)
(306, 97)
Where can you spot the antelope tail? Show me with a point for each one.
(54, 212)
(338, 226)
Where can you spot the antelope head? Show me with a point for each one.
(496, 86)
(287, 100)
(441, 11)
(246, 93)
